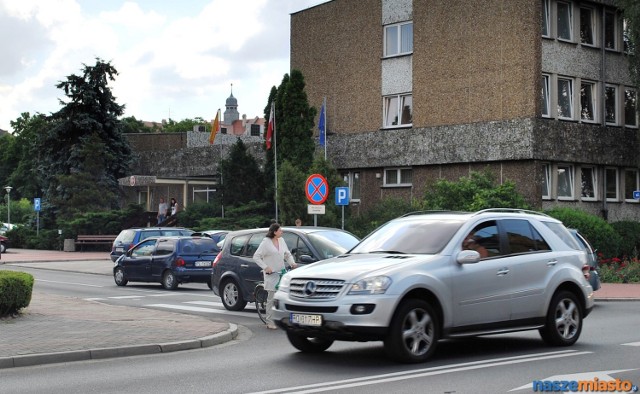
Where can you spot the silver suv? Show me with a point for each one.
(429, 276)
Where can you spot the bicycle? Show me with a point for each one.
(260, 297)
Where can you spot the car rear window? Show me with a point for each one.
(198, 246)
(126, 236)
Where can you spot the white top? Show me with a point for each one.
(268, 255)
(174, 209)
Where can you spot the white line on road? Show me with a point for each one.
(67, 283)
(199, 309)
(631, 344)
(391, 377)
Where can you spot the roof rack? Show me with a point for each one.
(430, 211)
(511, 210)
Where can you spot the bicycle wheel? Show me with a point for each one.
(260, 295)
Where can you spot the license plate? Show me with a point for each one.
(119, 249)
(306, 320)
(203, 264)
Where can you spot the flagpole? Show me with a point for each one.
(326, 140)
(275, 156)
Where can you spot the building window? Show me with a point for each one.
(565, 21)
(255, 130)
(398, 110)
(545, 18)
(611, 184)
(587, 26)
(565, 98)
(589, 183)
(546, 181)
(630, 107)
(610, 30)
(587, 101)
(630, 184)
(398, 39)
(143, 195)
(397, 177)
(610, 104)
(545, 96)
(223, 130)
(565, 182)
(627, 45)
(352, 179)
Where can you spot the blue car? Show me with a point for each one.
(167, 260)
(129, 237)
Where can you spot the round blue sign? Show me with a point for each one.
(316, 189)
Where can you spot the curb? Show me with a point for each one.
(113, 352)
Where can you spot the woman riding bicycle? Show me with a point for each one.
(271, 256)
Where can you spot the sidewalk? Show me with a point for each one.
(61, 329)
(55, 329)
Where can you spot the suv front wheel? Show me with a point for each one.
(413, 333)
(564, 320)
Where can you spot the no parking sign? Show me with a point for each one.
(316, 189)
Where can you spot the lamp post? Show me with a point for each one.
(8, 189)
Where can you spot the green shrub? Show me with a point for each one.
(382, 212)
(15, 291)
(600, 233)
(629, 232)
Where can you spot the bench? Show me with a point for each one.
(95, 240)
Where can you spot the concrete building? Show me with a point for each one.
(538, 91)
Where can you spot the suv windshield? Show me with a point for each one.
(416, 236)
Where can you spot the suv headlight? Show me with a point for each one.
(372, 285)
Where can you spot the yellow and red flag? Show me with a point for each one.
(215, 127)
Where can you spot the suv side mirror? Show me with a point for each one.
(306, 259)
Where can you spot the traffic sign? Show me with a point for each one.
(315, 209)
(316, 189)
(342, 196)
(636, 194)
(36, 204)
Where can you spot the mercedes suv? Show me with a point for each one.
(434, 275)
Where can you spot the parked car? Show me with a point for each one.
(216, 235)
(411, 283)
(167, 260)
(592, 258)
(127, 238)
(4, 243)
(235, 274)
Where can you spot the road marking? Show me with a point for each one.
(631, 344)
(420, 373)
(205, 303)
(67, 283)
(205, 310)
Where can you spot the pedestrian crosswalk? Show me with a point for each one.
(197, 306)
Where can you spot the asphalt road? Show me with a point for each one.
(260, 360)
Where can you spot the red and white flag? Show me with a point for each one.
(271, 127)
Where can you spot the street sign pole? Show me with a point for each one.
(342, 198)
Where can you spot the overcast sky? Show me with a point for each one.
(175, 59)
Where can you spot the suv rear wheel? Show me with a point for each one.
(564, 320)
(231, 296)
(413, 333)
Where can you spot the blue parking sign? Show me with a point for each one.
(342, 196)
(636, 194)
(36, 204)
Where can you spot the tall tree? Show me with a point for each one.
(242, 180)
(631, 12)
(25, 177)
(90, 117)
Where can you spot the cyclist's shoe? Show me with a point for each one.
(271, 326)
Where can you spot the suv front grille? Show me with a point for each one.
(325, 289)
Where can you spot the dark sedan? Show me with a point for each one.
(167, 260)
(235, 274)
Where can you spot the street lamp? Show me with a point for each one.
(8, 189)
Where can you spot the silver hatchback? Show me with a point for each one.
(429, 276)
